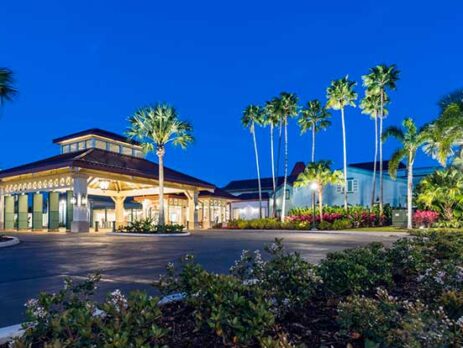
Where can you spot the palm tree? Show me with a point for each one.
(272, 119)
(155, 127)
(411, 139)
(286, 106)
(7, 91)
(314, 117)
(380, 78)
(442, 191)
(319, 174)
(341, 94)
(371, 105)
(253, 115)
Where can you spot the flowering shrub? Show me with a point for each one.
(148, 225)
(425, 218)
(388, 321)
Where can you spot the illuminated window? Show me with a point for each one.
(81, 145)
(65, 148)
(100, 144)
(89, 143)
(352, 186)
(127, 151)
(114, 148)
(138, 153)
(73, 147)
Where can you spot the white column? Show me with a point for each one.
(192, 211)
(81, 216)
(119, 211)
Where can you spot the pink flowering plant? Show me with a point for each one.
(425, 218)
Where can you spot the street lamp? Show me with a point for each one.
(313, 187)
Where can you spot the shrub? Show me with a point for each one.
(148, 225)
(70, 318)
(237, 312)
(359, 270)
(390, 322)
(341, 224)
(287, 279)
(325, 225)
(425, 218)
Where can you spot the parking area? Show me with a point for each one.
(42, 260)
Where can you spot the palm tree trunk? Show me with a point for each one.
(280, 130)
(344, 147)
(253, 131)
(410, 192)
(381, 184)
(313, 143)
(160, 152)
(272, 157)
(373, 188)
(320, 202)
(283, 205)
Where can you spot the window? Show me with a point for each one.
(114, 148)
(138, 153)
(73, 147)
(81, 145)
(90, 143)
(65, 148)
(100, 144)
(288, 194)
(127, 151)
(352, 186)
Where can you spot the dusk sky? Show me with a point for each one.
(86, 64)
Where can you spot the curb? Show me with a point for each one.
(150, 235)
(9, 243)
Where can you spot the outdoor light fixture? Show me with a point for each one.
(84, 200)
(73, 200)
(104, 184)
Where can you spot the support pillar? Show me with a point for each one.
(9, 213)
(207, 214)
(23, 212)
(53, 211)
(37, 212)
(80, 214)
(69, 209)
(193, 223)
(119, 210)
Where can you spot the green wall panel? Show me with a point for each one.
(23, 207)
(9, 213)
(53, 211)
(37, 212)
(69, 209)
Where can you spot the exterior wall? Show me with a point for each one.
(248, 210)
(395, 192)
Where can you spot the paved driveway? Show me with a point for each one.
(42, 260)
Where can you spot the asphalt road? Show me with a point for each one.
(42, 260)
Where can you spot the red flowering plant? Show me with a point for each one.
(425, 218)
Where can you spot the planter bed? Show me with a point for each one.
(7, 241)
(148, 234)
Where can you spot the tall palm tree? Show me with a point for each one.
(273, 120)
(320, 174)
(155, 127)
(341, 94)
(252, 116)
(7, 90)
(411, 139)
(379, 79)
(286, 107)
(314, 118)
(371, 105)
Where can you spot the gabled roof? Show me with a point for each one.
(96, 131)
(266, 183)
(370, 165)
(219, 193)
(106, 161)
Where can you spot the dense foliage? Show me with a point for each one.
(408, 295)
(148, 225)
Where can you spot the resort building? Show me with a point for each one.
(247, 191)
(100, 180)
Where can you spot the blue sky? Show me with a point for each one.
(85, 64)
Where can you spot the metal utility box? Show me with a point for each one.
(399, 217)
